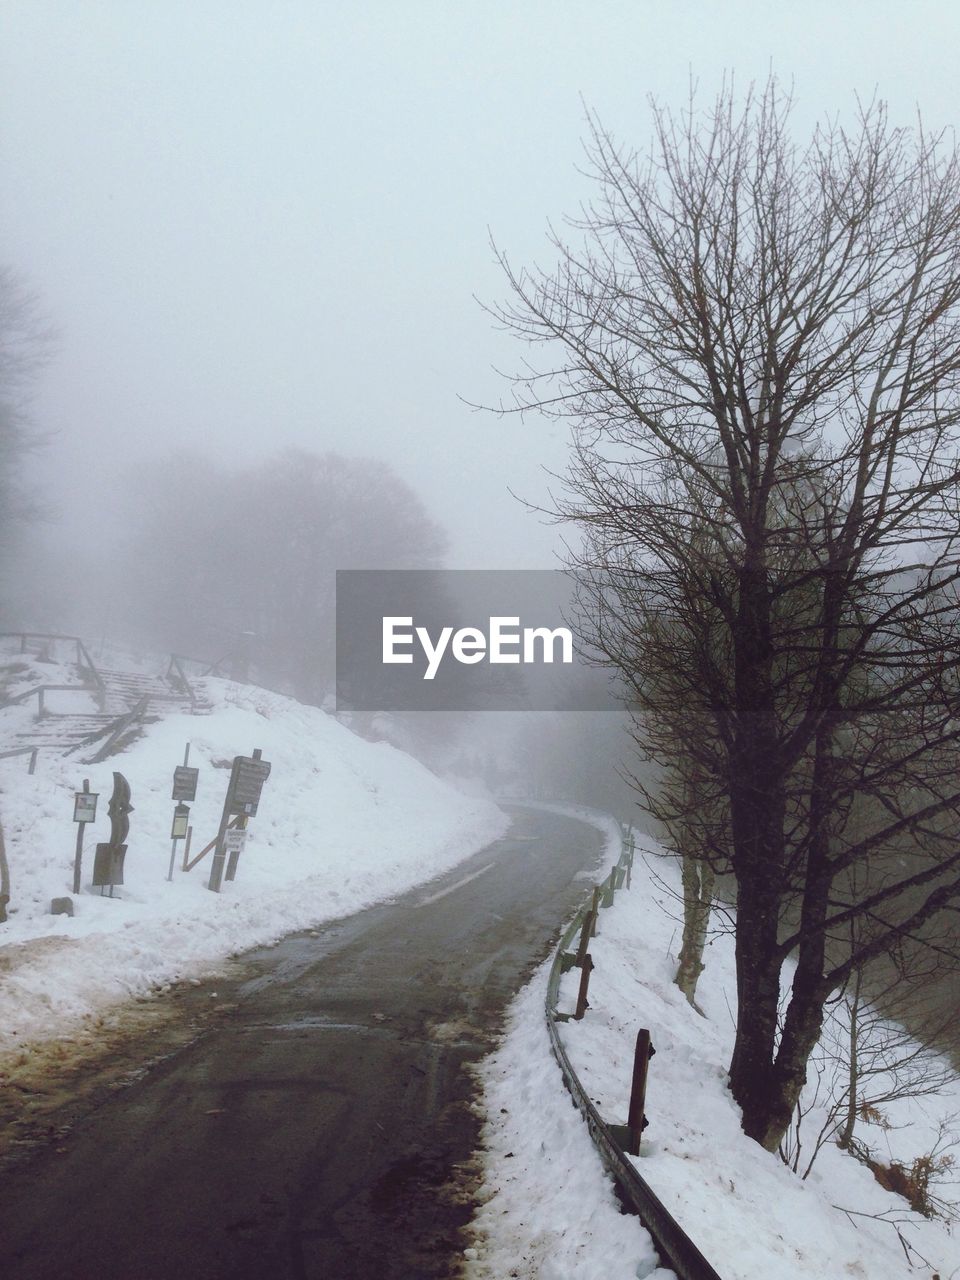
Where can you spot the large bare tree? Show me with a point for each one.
(758, 344)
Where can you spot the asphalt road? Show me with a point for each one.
(322, 1127)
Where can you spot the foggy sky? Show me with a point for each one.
(257, 224)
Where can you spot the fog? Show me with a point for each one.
(261, 227)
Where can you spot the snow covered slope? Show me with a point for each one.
(550, 1212)
(342, 823)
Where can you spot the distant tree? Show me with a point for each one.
(241, 564)
(761, 342)
(308, 516)
(25, 346)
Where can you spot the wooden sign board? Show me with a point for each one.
(108, 864)
(247, 781)
(185, 783)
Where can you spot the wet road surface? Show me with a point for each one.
(321, 1127)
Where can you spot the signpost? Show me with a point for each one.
(84, 811)
(247, 777)
(184, 789)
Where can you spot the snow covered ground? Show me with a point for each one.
(548, 1208)
(342, 823)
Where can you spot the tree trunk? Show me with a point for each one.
(757, 815)
(698, 880)
(768, 1109)
(752, 1081)
(845, 1140)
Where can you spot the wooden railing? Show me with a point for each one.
(115, 730)
(40, 691)
(178, 678)
(22, 751)
(85, 663)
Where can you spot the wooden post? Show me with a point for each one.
(586, 933)
(594, 910)
(585, 970)
(636, 1120)
(78, 856)
(607, 900)
(220, 850)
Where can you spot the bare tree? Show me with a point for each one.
(866, 1061)
(759, 345)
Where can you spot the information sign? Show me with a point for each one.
(85, 806)
(185, 783)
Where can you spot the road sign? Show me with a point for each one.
(185, 783)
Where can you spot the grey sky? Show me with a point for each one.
(259, 223)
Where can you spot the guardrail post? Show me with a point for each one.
(595, 911)
(607, 900)
(41, 709)
(586, 933)
(586, 968)
(636, 1120)
(33, 760)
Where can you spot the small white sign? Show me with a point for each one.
(85, 806)
(235, 839)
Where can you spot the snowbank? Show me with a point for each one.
(342, 823)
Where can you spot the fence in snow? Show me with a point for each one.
(616, 1142)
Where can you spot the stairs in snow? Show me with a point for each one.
(63, 732)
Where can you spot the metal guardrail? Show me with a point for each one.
(674, 1246)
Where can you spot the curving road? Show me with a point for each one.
(320, 1127)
